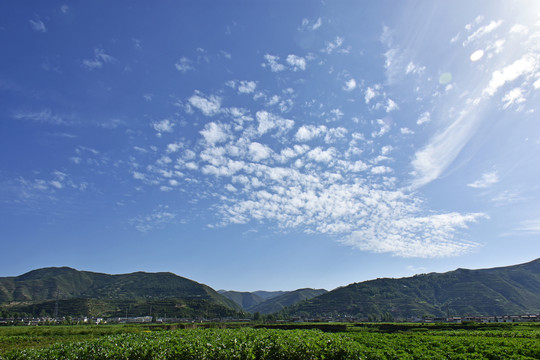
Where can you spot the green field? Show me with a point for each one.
(356, 341)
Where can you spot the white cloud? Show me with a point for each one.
(317, 24)
(514, 96)
(370, 94)
(57, 184)
(163, 126)
(384, 127)
(406, 131)
(274, 99)
(482, 31)
(387, 149)
(334, 134)
(391, 105)
(268, 121)
(156, 220)
(320, 155)
(307, 25)
(247, 87)
(184, 65)
(231, 188)
(410, 236)
(378, 170)
(43, 116)
(272, 61)
(525, 65)
(309, 132)
(332, 46)
(528, 227)
(209, 106)
(487, 180)
(296, 62)
(350, 85)
(64, 8)
(38, 25)
(259, 151)
(443, 148)
(413, 68)
(519, 29)
(174, 147)
(337, 114)
(424, 118)
(100, 58)
(215, 133)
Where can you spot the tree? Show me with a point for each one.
(257, 316)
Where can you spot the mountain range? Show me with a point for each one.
(496, 291)
(270, 302)
(65, 291)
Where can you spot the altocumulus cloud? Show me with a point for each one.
(267, 171)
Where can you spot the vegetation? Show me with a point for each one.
(67, 291)
(361, 341)
(497, 291)
(255, 303)
(245, 299)
(278, 303)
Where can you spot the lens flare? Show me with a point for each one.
(445, 78)
(477, 55)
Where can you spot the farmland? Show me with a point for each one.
(355, 341)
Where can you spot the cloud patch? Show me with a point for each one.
(184, 65)
(487, 180)
(100, 58)
(296, 62)
(38, 26)
(209, 106)
(163, 126)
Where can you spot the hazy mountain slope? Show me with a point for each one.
(497, 291)
(269, 294)
(277, 303)
(66, 284)
(244, 299)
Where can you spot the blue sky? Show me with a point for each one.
(269, 144)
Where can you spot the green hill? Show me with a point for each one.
(278, 303)
(245, 299)
(96, 294)
(268, 294)
(497, 291)
(268, 302)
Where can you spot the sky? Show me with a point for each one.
(269, 145)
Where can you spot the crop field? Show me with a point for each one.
(357, 342)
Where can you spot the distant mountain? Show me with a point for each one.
(267, 302)
(244, 299)
(497, 291)
(278, 303)
(97, 294)
(269, 294)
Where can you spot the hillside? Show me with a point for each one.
(269, 294)
(497, 291)
(278, 303)
(89, 293)
(245, 299)
(268, 302)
